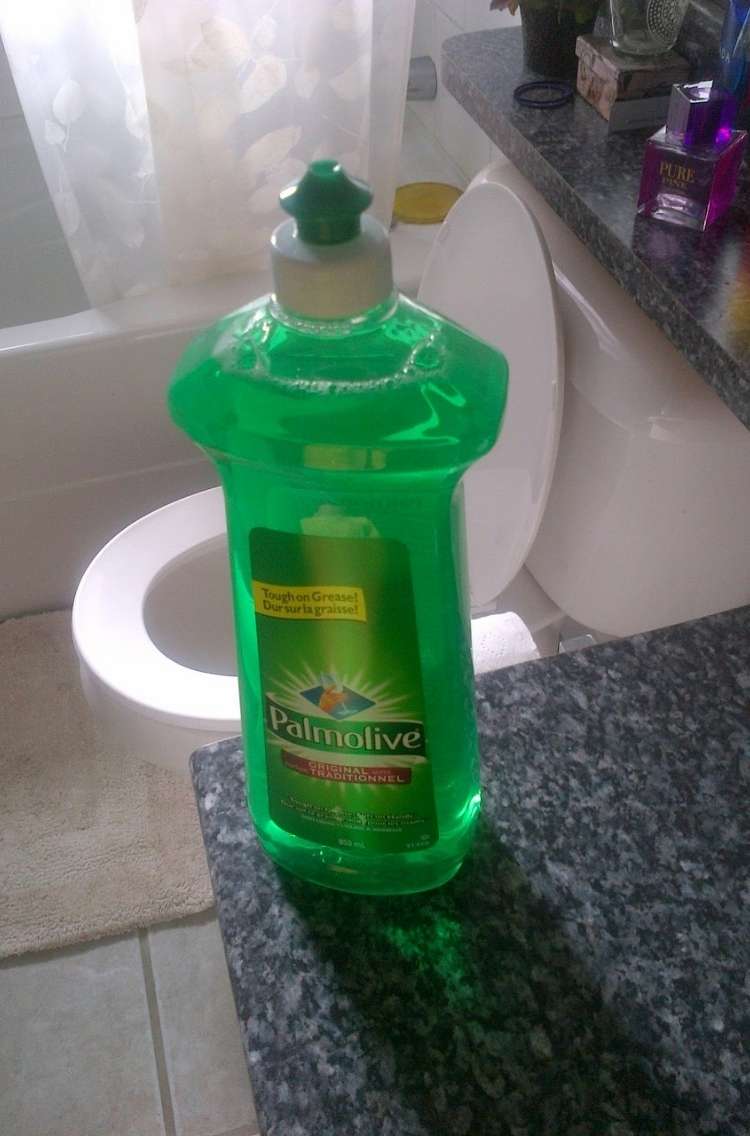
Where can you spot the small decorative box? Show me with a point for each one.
(606, 78)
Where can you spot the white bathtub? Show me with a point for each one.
(86, 445)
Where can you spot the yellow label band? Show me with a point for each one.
(319, 602)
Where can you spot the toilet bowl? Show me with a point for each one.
(149, 698)
(636, 522)
(153, 628)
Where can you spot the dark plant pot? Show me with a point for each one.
(549, 40)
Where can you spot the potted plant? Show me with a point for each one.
(550, 30)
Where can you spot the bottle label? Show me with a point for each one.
(343, 706)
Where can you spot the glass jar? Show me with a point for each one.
(646, 27)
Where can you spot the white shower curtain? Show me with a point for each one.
(166, 128)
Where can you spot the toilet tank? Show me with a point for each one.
(647, 521)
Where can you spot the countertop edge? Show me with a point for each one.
(716, 367)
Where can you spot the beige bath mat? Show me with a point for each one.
(90, 844)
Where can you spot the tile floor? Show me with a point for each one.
(135, 1036)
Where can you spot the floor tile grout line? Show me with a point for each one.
(157, 1038)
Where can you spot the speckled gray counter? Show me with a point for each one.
(586, 974)
(695, 286)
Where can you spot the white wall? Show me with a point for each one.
(446, 120)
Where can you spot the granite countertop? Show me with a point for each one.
(587, 972)
(696, 286)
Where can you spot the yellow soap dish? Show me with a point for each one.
(424, 202)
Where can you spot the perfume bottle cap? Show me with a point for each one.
(700, 114)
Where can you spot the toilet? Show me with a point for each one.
(613, 499)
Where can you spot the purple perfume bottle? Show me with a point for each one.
(691, 165)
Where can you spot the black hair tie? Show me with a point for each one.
(544, 94)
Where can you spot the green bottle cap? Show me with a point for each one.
(326, 203)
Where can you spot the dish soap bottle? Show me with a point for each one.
(341, 417)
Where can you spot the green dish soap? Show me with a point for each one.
(341, 417)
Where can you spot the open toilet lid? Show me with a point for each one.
(490, 271)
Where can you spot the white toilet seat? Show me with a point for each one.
(490, 271)
(110, 634)
(153, 707)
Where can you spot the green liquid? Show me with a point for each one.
(373, 420)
